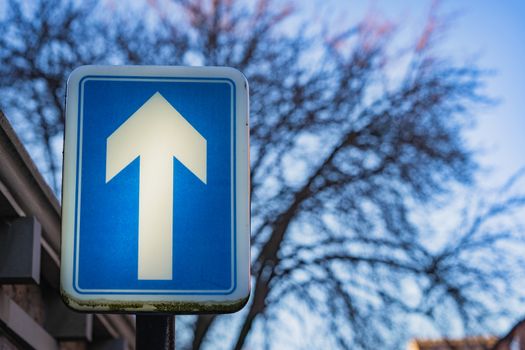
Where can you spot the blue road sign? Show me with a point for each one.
(156, 190)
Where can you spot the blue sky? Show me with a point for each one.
(497, 31)
(492, 31)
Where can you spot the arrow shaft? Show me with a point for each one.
(155, 253)
(156, 132)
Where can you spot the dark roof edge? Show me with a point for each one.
(28, 162)
(27, 185)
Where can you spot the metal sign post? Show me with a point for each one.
(155, 332)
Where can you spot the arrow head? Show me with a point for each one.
(156, 130)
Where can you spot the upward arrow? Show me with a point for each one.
(156, 133)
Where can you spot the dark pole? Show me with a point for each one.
(155, 332)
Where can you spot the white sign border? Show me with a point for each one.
(148, 299)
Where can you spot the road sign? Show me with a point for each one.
(155, 196)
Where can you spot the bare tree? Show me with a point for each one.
(39, 47)
(350, 141)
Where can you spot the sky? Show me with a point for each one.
(494, 32)
(497, 30)
(491, 31)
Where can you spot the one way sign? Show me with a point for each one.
(155, 190)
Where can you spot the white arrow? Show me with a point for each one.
(156, 132)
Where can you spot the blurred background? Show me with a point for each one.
(386, 155)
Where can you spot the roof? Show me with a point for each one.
(470, 343)
(518, 330)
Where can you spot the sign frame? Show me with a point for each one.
(156, 301)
